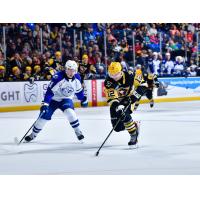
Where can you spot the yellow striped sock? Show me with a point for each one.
(130, 126)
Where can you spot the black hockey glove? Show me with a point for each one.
(44, 107)
(84, 102)
(157, 84)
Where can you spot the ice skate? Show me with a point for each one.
(134, 138)
(29, 138)
(151, 103)
(80, 136)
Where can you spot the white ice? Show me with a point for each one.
(169, 143)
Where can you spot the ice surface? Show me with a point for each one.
(169, 143)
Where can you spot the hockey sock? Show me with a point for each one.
(73, 120)
(130, 126)
(39, 124)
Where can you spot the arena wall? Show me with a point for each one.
(20, 96)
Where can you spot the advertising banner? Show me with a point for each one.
(16, 94)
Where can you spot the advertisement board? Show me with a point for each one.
(16, 96)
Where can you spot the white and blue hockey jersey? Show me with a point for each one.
(61, 87)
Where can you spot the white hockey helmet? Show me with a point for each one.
(71, 64)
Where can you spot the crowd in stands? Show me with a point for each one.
(162, 48)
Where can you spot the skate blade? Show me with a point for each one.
(133, 146)
(81, 141)
(16, 141)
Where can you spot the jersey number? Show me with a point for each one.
(111, 93)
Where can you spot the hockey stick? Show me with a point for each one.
(19, 142)
(97, 153)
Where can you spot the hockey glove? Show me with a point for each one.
(84, 102)
(120, 112)
(157, 84)
(44, 107)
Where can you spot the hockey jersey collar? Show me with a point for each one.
(72, 79)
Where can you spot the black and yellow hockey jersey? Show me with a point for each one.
(117, 90)
(85, 70)
(150, 79)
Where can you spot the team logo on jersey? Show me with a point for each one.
(30, 92)
(68, 91)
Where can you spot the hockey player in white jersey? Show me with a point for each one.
(60, 92)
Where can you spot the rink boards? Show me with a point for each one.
(18, 96)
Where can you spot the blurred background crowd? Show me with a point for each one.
(30, 51)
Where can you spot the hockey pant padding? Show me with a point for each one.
(149, 94)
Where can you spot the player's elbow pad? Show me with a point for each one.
(80, 95)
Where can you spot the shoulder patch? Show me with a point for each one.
(108, 83)
(55, 76)
(130, 72)
(145, 74)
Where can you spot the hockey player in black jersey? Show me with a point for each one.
(151, 81)
(120, 94)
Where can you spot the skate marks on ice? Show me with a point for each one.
(37, 147)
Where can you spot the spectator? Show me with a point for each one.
(179, 66)
(28, 73)
(24, 45)
(2, 74)
(16, 74)
(156, 63)
(37, 73)
(90, 35)
(2, 60)
(192, 65)
(174, 30)
(101, 69)
(54, 33)
(190, 72)
(16, 61)
(168, 65)
(153, 30)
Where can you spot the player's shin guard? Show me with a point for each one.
(38, 126)
(131, 127)
(74, 122)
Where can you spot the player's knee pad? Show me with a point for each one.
(119, 127)
(71, 115)
(39, 124)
